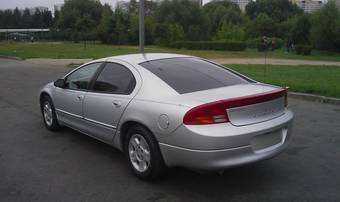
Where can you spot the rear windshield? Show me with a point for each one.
(187, 75)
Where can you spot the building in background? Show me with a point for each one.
(241, 3)
(338, 4)
(309, 6)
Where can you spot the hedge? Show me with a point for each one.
(303, 49)
(211, 45)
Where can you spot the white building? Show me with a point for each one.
(241, 3)
(309, 6)
(338, 3)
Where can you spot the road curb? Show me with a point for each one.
(314, 98)
(10, 57)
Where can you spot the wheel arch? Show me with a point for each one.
(42, 95)
(125, 128)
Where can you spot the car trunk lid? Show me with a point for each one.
(246, 104)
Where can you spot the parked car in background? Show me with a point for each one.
(167, 110)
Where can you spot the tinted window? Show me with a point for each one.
(80, 79)
(187, 75)
(115, 78)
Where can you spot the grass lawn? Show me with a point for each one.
(77, 50)
(320, 80)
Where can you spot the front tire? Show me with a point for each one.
(143, 154)
(48, 113)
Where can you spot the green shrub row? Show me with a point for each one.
(211, 45)
(303, 49)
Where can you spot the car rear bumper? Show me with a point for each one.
(254, 145)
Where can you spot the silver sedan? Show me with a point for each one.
(167, 110)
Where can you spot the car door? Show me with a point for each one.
(107, 99)
(68, 101)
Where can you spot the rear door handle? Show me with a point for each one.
(117, 103)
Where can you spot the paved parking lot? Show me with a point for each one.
(38, 165)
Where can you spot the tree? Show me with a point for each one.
(166, 34)
(47, 19)
(26, 21)
(278, 10)
(56, 18)
(221, 12)
(187, 14)
(16, 18)
(133, 7)
(105, 28)
(263, 25)
(300, 31)
(229, 31)
(7, 19)
(325, 31)
(121, 22)
(2, 19)
(79, 18)
(37, 19)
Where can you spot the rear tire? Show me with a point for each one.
(48, 113)
(143, 154)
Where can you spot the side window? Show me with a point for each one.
(81, 78)
(115, 78)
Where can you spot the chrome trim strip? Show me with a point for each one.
(100, 123)
(68, 113)
(87, 119)
(196, 150)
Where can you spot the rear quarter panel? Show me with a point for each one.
(159, 117)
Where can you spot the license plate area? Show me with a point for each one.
(268, 141)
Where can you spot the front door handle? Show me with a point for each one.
(117, 103)
(80, 97)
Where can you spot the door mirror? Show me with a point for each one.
(60, 83)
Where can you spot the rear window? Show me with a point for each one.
(187, 75)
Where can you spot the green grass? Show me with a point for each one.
(77, 50)
(320, 80)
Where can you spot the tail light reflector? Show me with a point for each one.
(210, 113)
(286, 96)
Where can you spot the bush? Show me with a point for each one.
(262, 47)
(303, 49)
(211, 45)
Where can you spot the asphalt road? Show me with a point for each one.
(38, 165)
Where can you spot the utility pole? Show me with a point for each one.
(141, 26)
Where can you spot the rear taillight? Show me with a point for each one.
(216, 112)
(210, 113)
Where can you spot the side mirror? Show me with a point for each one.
(60, 83)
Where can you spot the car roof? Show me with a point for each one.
(136, 59)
